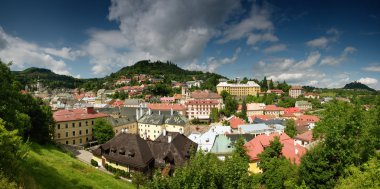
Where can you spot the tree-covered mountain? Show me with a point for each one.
(358, 86)
(168, 71)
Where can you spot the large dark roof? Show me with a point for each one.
(268, 122)
(159, 119)
(124, 111)
(120, 121)
(177, 151)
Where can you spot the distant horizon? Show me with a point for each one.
(312, 43)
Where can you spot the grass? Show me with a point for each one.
(48, 167)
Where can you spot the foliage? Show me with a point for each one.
(290, 128)
(116, 171)
(230, 104)
(214, 116)
(103, 131)
(94, 163)
(358, 85)
(347, 140)
(6, 183)
(138, 179)
(287, 102)
(364, 176)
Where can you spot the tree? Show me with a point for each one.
(103, 131)
(271, 85)
(277, 170)
(264, 84)
(290, 128)
(138, 179)
(244, 110)
(214, 116)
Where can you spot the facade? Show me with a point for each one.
(295, 91)
(303, 105)
(74, 127)
(274, 110)
(251, 88)
(181, 109)
(206, 140)
(255, 109)
(123, 124)
(151, 126)
(305, 138)
(311, 95)
(224, 144)
(201, 109)
(129, 152)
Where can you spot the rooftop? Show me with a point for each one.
(248, 84)
(77, 114)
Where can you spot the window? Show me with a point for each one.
(67, 142)
(73, 133)
(80, 124)
(80, 132)
(86, 139)
(74, 142)
(92, 122)
(80, 141)
(59, 135)
(73, 125)
(66, 125)
(86, 123)
(67, 134)
(59, 126)
(86, 131)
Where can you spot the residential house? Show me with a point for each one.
(199, 104)
(235, 122)
(250, 88)
(123, 124)
(255, 109)
(305, 138)
(278, 92)
(251, 119)
(196, 83)
(206, 140)
(290, 150)
(181, 109)
(261, 128)
(311, 95)
(274, 110)
(133, 102)
(296, 91)
(224, 144)
(303, 105)
(74, 127)
(131, 153)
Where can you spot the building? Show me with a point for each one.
(250, 88)
(206, 140)
(74, 127)
(274, 110)
(130, 153)
(261, 128)
(181, 109)
(123, 124)
(235, 122)
(311, 95)
(278, 92)
(196, 83)
(304, 105)
(305, 138)
(152, 125)
(295, 91)
(135, 103)
(224, 144)
(201, 109)
(255, 109)
(290, 150)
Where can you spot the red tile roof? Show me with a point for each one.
(166, 106)
(277, 91)
(118, 103)
(290, 149)
(263, 117)
(288, 114)
(296, 88)
(309, 118)
(306, 136)
(292, 110)
(206, 94)
(235, 122)
(273, 108)
(76, 114)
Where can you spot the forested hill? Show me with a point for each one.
(168, 71)
(358, 86)
(47, 77)
(158, 69)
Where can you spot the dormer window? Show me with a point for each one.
(113, 149)
(122, 151)
(131, 153)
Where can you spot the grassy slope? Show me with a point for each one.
(48, 167)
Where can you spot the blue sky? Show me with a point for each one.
(319, 43)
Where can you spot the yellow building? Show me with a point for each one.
(74, 127)
(251, 88)
(128, 124)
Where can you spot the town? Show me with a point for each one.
(200, 94)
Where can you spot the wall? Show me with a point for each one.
(80, 139)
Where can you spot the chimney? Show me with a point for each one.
(164, 132)
(171, 111)
(169, 138)
(90, 110)
(137, 114)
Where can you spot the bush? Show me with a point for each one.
(94, 163)
(117, 172)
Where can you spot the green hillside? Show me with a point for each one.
(358, 86)
(48, 167)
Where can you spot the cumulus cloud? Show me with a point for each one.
(65, 52)
(332, 35)
(175, 30)
(275, 48)
(213, 63)
(257, 27)
(368, 81)
(25, 54)
(333, 61)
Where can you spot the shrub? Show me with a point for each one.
(94, 163)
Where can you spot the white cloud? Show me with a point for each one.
(324, 41)
(321, 42)
(213, 63)
(175, 30)
(368, 81)
(333, 61)
(65, 52)
(311, 60)
(24, 54)
(373, 68)
(275, 48)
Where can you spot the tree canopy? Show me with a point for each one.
(103, 131)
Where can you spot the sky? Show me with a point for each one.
(316, 43)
